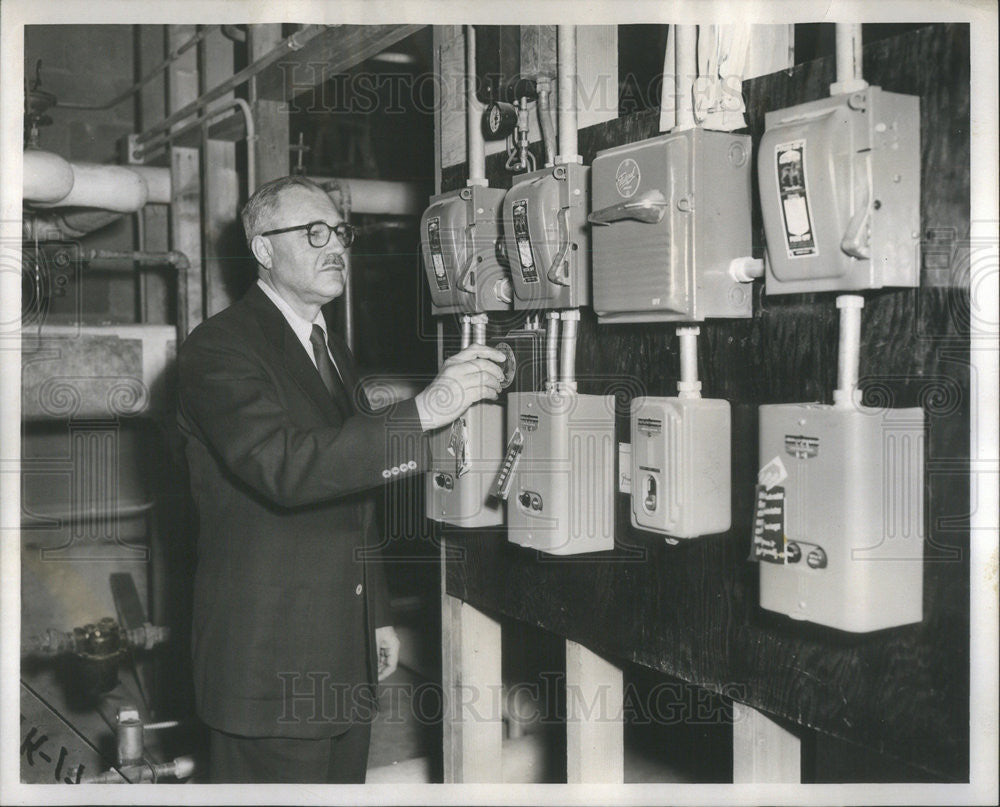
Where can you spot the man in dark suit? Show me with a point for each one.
(291, 625)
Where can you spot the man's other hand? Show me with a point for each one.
(387, 647)
(469, 376)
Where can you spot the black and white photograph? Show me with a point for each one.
(467, 403)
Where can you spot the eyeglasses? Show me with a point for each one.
(318, 233)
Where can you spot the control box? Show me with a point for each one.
(840, 193)
(670, 214)
(465, 457)
(681, 480)
(459, 235)
(547, 237)
(838, 524)
(560, 471)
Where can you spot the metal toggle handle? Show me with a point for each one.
(650, 208)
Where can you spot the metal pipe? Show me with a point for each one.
(849, 70)
(291, 43)
(479, 322)
(234, 32)
(685, 72)
(473, 114)
(689, 386)
(51, 181)
(466, 331)
(570, 321)
(186, 46)
(848, 349)
(551, 349)
(545, 122)
(566, 82)
(383, 197)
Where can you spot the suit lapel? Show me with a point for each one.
(294, 358)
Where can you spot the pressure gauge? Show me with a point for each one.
(499, 121)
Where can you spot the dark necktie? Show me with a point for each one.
(326, 368)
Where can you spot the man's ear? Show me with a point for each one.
(261, 249)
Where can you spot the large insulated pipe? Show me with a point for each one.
(473, 114)
(849, 71)
(570, 321)
(685, 73)
(551, 349)
(566, 81)
(689, 386)
(849, 349)
(52, 181)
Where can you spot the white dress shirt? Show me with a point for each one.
(300, 326)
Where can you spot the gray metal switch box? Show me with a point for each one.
(669, 216)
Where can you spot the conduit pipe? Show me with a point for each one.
(848, 349)
(473, 114)
(566, 83)
(479, 322)
(551, 349)
(466, 331)
(685, 73)
(545, 122)
(69, 224)
(570, 320)
(849, 70)
(689, 386)
(378, 196)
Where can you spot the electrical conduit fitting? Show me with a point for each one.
(466, 331)
(746, 270)
(849, 350)
(689, 386)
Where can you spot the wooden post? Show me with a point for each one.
(270, 117)
(472, 685)
(763, 751)
(595, 745)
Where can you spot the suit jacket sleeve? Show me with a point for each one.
(231, 398)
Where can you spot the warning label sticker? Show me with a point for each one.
(649, 426)
(790, 163)
(437, 259)
(529, 274)
(769, 524)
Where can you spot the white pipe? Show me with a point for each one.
(47, 177)
(157, 183)
(689, 386)
(551, 349)
(849, 349)
(380, 196)
(545, 122)
(849, 70)
(567, 339)
(566, 71)
(473, 114)
(479, 322)
(466, 331)
(685, 72)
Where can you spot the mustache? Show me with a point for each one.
(335, 261)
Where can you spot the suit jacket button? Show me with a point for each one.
(357, 590)
(386, 473)
(412, 464)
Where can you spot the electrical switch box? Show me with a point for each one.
(840, 193)
(670, 215)
(561, 472)
(464, 461)
(459, 234)
(524, 368)
(838, 524)
(681, 465)
(547, 238)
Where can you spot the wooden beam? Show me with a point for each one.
(472, 685)
(335, 51)
(595, 744)
(763, 751)
(270, 116)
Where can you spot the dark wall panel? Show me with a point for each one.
(691, 610)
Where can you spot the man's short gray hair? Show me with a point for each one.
(257, 212)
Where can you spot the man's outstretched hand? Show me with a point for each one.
(468, 377)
